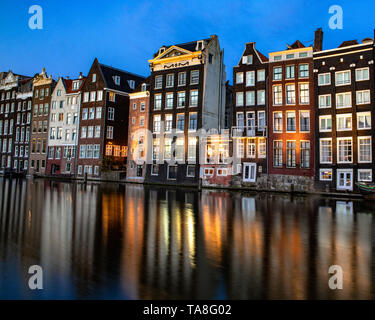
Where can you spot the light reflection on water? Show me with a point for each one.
(134, 242)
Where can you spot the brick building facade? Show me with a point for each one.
(250, 107)
(104, 114)
(15, 106)
(43, 87)
(291, 145)
(344, 96)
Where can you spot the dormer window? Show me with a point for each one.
(131, 84)
(161, 50)
(199, 45)
(76, 85)
(94, 77)
(144, 87)
(117, 80)
(247, 59)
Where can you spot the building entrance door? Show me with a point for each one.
(344, 179)
(249, 172)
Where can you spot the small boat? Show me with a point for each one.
(367, 188)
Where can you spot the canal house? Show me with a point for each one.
(344, 96)
(23, 127)
(43, 87)
(187, 98)
(249, 130)
(138, 132)
(15, 106)
(64, 126)
(291, 135)
(103, 122)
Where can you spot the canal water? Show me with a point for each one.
(110, 241)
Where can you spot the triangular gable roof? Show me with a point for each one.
(296, 45)
(9, 76)
(170, 49)
(62, 80)
(260, 56)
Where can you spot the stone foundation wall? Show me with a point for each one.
(290, 183)
(276, 183)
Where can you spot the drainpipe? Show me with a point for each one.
(220, 89)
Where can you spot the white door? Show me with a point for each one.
(344, 179)
(249, 172)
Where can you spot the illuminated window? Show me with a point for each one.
(326, 150)
(277, 153)
(277, 95)
(291, 154)
(325, 174)
(124, 151)
(116, 151)
(305, 154)
(108, 150)
(304, 95)
(112, 97)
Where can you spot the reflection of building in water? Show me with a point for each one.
(133, 245)
(288, 254)
(138, 242)
(57, 234)
(14, 218)
(344, 239)
(214, 215)
(169, 259)
(246, 248)
(69, 219)
(112, 205)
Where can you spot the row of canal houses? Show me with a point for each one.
(300, 119)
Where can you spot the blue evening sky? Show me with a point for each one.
(126, 33)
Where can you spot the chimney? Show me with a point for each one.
(67, 77)
(80, 75)
(318, 41)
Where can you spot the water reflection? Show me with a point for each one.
(136, 242)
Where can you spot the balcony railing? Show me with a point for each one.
(249, 131)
